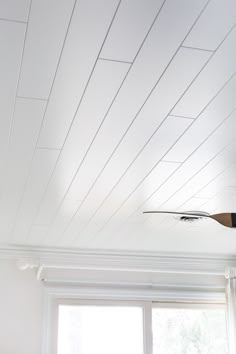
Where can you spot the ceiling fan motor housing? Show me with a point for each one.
(190, 219)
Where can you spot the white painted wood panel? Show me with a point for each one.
(167, 134)
(223, 201)
(217, 165)
(216, 73)
(132, 95)
(37, 234)
(118, 119)
(101, 91)
(14, 10)
(132, 22)
(194, 204)
(114, 225)
(55, 231)
(175, 182)
(42, 166)
(208, 121)
(46, 32)
(90, 23)
(149, 119)
(26, 124)
(213, 25)
(144, 190)
(225, 179)
(131, 192)
(10, 59)
(213, 145)
(111, 143)
(147, 122)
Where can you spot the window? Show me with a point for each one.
(140, 328)
(189, 331)
(100, 329)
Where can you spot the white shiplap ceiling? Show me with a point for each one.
(109, 108)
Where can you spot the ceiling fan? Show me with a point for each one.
(225, 219)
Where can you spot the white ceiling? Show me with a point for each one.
(109, 108)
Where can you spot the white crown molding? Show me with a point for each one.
(134, 261)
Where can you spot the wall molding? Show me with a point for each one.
(133, 261)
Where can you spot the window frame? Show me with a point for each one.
(146, 305)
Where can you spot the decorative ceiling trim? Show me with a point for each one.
(134, 261)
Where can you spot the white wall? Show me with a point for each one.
(21, 297)
(20, 310)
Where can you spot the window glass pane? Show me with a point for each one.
(189, 331)
(100, 330)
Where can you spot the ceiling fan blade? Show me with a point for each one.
(225, 219)
(187, 213)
